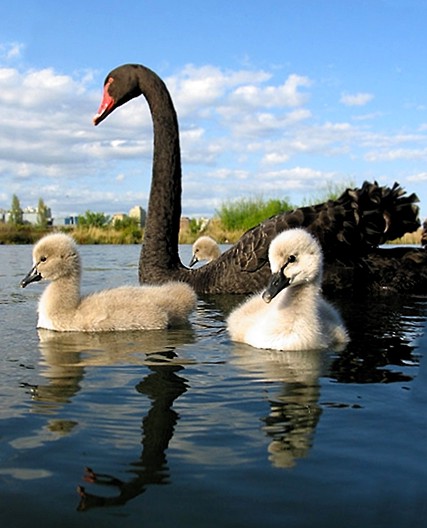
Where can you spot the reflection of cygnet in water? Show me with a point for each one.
(291, 313)
(62, 308)
(292, 379)
(206, 249)
(65, 356)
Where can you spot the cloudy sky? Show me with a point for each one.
(275, 98)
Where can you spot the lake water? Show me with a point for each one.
(183, 428)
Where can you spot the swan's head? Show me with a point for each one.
(54, 256)
(204, 248)
(120, 86)
(295, 258)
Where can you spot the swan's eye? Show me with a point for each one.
(43, 259)
(291, 258)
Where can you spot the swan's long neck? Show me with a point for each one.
(160, 249)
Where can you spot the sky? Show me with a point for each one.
(279, 99)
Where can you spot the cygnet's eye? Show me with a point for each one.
(43, 259)
(291, 258)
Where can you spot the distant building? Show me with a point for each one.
(118, 217)
(184, 224)
(65, 220)
(138, 213)
(29, 216)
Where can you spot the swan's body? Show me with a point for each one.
(291, 314)
(347, 228)
(62, 308)
(206, 249)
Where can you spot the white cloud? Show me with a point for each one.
(397, 154)
(419, 177)
(358, 99)
(275, 158)
(197, 89)
(11, 50)
(284, 95)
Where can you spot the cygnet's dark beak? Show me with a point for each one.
(33, 276)
(278, 281)
(193, 261)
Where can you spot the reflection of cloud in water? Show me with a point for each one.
(25, 473)
(294, 407)
(53, 430)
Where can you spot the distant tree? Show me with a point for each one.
(16, 215)
(127, 222)
(91, 219)
(42, 213)
(130, 228)
(195, 225)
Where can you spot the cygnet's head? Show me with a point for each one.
(204, 248)
(54, 256)
(295, 258)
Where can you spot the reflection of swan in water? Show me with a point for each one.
(62, 308)
(375, 354)
(163, 386)
(206, 249)
(66, 356)
(82, 349)
(294, 408)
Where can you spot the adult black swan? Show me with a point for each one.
(349, 229)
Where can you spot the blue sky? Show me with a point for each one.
(275, 98)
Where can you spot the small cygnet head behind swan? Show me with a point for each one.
(204, 248)
(54, 257)
(295, 258)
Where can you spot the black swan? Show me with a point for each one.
(349, 229)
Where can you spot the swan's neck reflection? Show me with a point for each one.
(163, 386)
(67, 356)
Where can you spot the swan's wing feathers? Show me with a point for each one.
(386, 213)
(364, 218)
(251, 252)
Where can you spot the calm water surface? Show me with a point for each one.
(185, 429)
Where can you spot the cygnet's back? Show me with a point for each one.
(206, 249)
(291, 313)
(61, 307)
